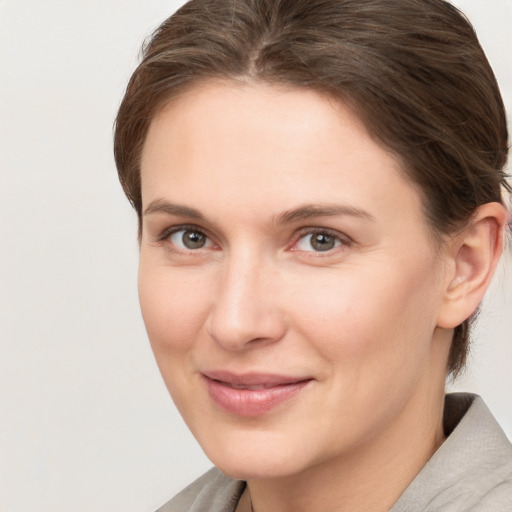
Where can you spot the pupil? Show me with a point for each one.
(193, 239)
(322, 242)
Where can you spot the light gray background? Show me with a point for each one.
(85, 421)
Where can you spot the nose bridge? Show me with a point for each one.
(244, 308)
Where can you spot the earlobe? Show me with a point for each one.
(475, 255)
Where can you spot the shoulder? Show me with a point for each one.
(213, 491)
(471, 471)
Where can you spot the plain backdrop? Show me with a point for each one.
(85, 421)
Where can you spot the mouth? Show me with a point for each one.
(244, 386)
(252, 394)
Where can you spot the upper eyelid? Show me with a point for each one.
(318, 229)
(182, 227)
(345, 242)
(167, 232)
(164, 239)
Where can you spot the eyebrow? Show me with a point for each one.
(309, 211)
(163, 206)
(303, 212)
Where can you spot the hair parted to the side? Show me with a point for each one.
(412, 70)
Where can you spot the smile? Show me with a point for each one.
(251, 395)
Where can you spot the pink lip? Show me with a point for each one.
(251, 394)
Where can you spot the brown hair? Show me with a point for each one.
(412, 70)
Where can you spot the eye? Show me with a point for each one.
(319, 241)
(189, 239)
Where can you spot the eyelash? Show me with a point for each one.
(342, 241)
(167, 233)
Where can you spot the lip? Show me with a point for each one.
(251, 394)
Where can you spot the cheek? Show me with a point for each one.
(373, 333)
(173, 305)
(358, 314)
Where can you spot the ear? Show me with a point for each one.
(473, 257)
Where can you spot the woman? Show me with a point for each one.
(319, 186)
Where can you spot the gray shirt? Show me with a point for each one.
(470, 472)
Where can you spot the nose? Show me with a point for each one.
(245, 310)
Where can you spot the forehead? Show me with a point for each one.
(267, 147)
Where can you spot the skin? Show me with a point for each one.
(368, 321)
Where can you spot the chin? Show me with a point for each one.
(256, 455)
(256, 468)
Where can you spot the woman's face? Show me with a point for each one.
(287, 279)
